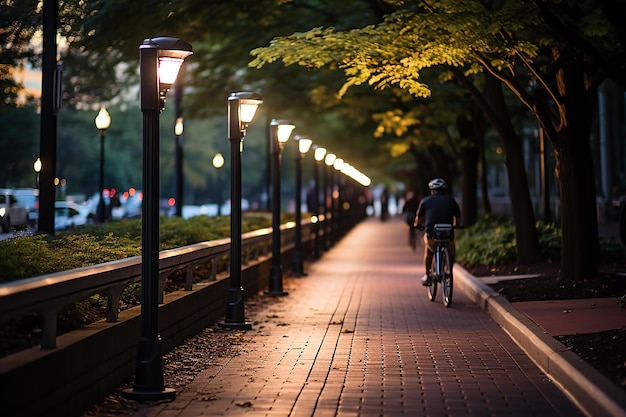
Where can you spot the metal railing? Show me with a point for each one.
(48, 294)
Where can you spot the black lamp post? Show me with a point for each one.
(328, 208)
(179, 129)
(338, 209)
(103, 121)
(241, 109)
(280, 130)
(304, 144)
(318, 155)
(218, 162)
(159, 62)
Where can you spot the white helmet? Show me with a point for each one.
(437, 184)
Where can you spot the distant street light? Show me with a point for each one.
(338, 209)
(160, 60)
(329, 159)
(280, 130)
(242, 107)
(103, 121)
(179, 129)
(218, 162)
(318, 155)
(304, 144)
(37, 169)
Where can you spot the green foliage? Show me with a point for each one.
(549, 241)
(26, 256)
(29, 256)
(491, 241)
(18, 127)
(612, 252)
(177, 232)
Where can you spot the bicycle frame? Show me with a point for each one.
(441, 266)
(441, 248)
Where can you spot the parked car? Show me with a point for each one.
(29, 198)
(12, 213)
(68, 214)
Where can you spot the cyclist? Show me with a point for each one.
(438, 207)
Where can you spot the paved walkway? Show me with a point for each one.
(358, 337)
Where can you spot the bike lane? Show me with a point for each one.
(358, 337)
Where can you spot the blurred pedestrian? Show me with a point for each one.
(409, 210)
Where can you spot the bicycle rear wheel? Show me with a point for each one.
(432, 289)
(446, 281)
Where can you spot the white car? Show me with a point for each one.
(12, 213)
(68, 214)
(29, 198)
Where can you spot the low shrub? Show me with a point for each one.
(489, 241)
(24, 256)
(492, 241)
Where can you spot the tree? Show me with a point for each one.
(18, 24)
(222, 33)
(16, 162)
(565, 47)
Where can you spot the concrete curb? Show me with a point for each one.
(592, 391)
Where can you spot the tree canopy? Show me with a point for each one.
(388, 81)
(551, 55)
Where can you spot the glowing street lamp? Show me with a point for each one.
(179, 129)
(337, 164)
(304, 144)
(218, 162)
(280, 130)
(242, 107)
(37, 168)
(329, 159)
(318, 154)
(103, 121)
(160, 60)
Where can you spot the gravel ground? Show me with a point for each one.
(213, 347)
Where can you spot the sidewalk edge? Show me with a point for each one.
(593, 392)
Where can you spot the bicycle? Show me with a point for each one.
(441, 266)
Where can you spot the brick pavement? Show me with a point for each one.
(358, 337)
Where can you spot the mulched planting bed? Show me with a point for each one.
(605, 351)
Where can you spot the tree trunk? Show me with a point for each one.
(579, 225)
(494, 108)
(528, 249)
(574, 169)
(483, 176)
(470, 157)
(469, 173)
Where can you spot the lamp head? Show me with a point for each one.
(319, 154)
(165, 56)
(242, 107)
(330, 159)
(281, 130)
(218, 160)
(179, 127)
(103, 120)
(172, 53)
(304, 143)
